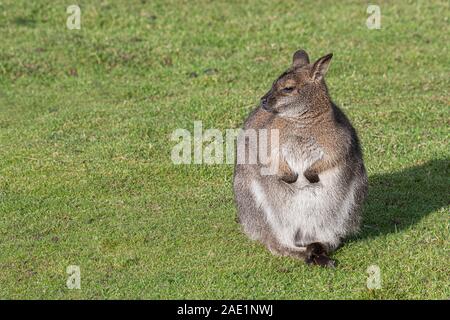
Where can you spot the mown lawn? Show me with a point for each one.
(86, 118)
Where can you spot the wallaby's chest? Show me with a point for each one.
(300, 151)
(298, 144)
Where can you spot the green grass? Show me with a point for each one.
(85, 122)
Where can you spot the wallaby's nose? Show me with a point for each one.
(264, 103)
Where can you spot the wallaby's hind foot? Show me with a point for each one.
(313, 254)
(316, 254)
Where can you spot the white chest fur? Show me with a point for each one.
(301, 213)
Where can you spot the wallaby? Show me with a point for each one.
(314, 199)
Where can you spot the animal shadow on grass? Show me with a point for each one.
(24, 21)
(399, 200)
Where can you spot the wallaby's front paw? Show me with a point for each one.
(312, 176)
(290, 178)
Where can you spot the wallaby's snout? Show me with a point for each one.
(265, 102)
(270, 101)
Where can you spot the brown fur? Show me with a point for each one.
(298, 105)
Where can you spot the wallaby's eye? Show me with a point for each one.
(287, 89)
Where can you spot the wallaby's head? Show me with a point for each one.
(299, 89)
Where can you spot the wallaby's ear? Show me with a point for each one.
(320, 67)
(300, 58)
